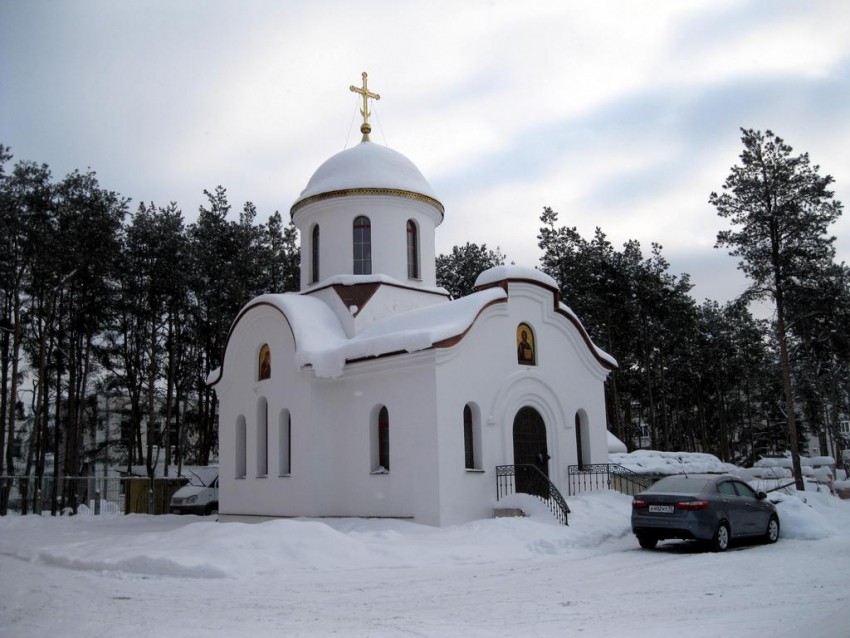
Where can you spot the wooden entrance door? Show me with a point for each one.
(530, 449)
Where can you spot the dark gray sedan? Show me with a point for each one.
(703, 507)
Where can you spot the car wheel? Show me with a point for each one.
(720, 540)
(212, 508)
(772, 533)
(647, 542)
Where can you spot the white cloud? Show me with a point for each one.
(613, 112)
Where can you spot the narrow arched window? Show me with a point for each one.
(362, 237)
(314, 255)
(240, 448)
(262, 437)
(412, 250)
(468, 438)
(285, 443)
(384, 439)
(581, 437)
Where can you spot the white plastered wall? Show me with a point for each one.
(239, 392)
(482, 369)
(332, 420)
(405, 386)
(388, 216)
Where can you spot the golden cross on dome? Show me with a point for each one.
(365, 128)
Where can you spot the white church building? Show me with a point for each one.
(372, 393)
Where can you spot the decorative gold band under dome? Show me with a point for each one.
(392, 192)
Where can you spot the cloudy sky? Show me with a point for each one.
(618, 114)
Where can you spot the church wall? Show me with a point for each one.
(332, 419)
(388, 217)
(566, 368)
(240, 392)
(389, 240)
(468, 373)
(483, 369)
(405, 386)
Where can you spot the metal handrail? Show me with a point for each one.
(629, 475)
(601, 475)
(536, 483)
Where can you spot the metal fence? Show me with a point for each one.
(606, 476)
(528, 479)
(101, 496)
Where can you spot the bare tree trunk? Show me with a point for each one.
(723, 419)
(7, 402)
(665, 426)
(56, 431)
(169, 390)
(13, 389)
(151, 420)
(789, 394)
(650, 394)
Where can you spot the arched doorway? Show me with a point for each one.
(530, 449)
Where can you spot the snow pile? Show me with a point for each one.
(191, 547)
(85, 575)
(615, 445)
(752, 473)
(817, 461)
(107, 508)
(655, 462)
(817, 468)
(202, 548)
(811, 515)
(786, 461)
(531, 506)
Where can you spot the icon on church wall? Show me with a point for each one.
(525, 345)
(265, 363)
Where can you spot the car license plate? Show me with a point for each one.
(661, 509)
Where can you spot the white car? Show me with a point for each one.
(200, 496)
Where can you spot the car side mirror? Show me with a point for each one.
(761, 496)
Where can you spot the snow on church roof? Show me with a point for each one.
(600, 353)
(376, 278)
(321, 342)
(367, 165)
(501, 273)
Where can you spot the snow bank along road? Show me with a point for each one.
(172, 576)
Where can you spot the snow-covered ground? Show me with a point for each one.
(187, 576)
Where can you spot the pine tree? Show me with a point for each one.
(780, 209)
(457, 271)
